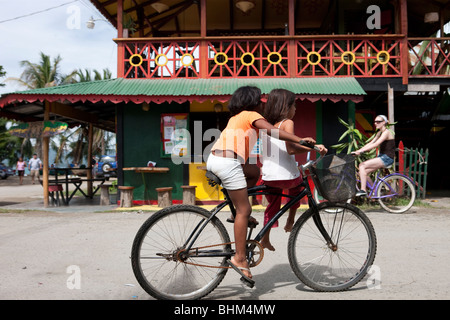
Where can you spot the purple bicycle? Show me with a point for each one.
(395, 192)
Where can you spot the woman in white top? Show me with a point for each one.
(279, 168)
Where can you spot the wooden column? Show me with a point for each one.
(292, 49)
(403, 12)
(89, 161)
(45, 148)
(203, 42)
(391, 105)
(120, 45)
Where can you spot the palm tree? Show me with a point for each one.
(2, 74)
(42, 75)
(100, 137)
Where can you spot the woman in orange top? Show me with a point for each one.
(228, 161)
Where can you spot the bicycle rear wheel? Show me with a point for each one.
(396, 194)
(323, 267)
(161, 266)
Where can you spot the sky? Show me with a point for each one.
(56, 31)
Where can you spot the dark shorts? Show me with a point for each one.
(20, 173)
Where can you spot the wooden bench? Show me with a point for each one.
(164, 197)
(189, 194)
(126, 196)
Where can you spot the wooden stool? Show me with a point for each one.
(126, 196)
(54, 191)
(189, 194)
(164, 197)
(104, 194)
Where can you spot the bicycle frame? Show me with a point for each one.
(259, 190)
(379, 180)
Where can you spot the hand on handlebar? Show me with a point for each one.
(311, 143)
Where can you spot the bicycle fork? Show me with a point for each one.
(318, 222)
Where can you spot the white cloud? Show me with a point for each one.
(58, 31)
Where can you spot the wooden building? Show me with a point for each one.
(179, 61)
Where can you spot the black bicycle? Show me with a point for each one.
(181, 252)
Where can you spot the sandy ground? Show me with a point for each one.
(42, 250)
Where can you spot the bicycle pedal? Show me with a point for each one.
(247, 284)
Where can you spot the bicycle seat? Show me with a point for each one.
(212, 179)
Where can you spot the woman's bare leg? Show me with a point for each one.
(367, 167)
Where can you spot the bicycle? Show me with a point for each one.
(395, 192)
(181, 252)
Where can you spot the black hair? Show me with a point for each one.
(278, 104)
(244, 98)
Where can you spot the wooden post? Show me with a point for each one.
(203, 44)
(120, 45)
(425, 172)
(89, 160)
(404, 52)
(45, 147)
(292, 60)
(391, 109)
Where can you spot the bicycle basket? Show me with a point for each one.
(334, 177)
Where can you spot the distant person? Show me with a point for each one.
(20, 167)
(35, 164)
(385, 140)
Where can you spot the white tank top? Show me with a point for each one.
(278, 164)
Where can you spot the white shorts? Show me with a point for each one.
(228, 170)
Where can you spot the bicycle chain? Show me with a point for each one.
(252, 263)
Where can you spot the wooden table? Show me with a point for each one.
(77, 182)
(147, 169)
(144, 170)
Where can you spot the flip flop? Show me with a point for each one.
(244, 279)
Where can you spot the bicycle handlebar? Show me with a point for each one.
(309, 162)
(309, 145)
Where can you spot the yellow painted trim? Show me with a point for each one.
(250, 63)
(136, 64)
(187, 55)
(347, 53)
(388, 57)
(220, 63)
(308, 58)
(157, 60)
(276, 54)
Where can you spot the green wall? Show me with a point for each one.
(142, 143)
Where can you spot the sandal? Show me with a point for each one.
(244, 279)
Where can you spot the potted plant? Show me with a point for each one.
(128, 25)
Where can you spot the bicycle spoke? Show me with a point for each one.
(332, 268)
(161, 265)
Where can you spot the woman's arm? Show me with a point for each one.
(262, 124)
(379, 138)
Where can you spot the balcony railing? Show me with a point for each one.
(263, 57)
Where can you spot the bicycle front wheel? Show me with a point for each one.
(343, 263)
(396, 194)
(167, 272)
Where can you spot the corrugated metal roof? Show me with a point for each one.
(203, 87)
(182, 90)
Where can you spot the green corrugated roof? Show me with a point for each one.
(179, 90)
(208, 87)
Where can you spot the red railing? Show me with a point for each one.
(429, 57)
(264, 57)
